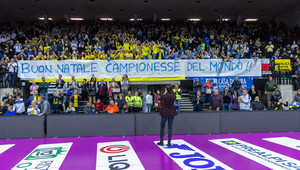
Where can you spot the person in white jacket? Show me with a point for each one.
(33, 109)
(149, 101)
(245, 101)
(19, 106)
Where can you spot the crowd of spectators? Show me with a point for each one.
(235, 97)
(110, 98)
(142, 41)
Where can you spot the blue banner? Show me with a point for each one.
(221, 82)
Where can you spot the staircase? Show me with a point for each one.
(186, 104)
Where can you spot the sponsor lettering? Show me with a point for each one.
(47, 156)
(263, 156)
(189, 157)
(117, 156)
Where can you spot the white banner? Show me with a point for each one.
(138, 68)
(3, 148)
(285, 141)
(189, 157)
(217, 68)
(258, 154)
(46, 156)
(117, 155)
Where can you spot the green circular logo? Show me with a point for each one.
(24, 165)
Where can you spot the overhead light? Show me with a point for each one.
(165, 19)
(76, 19)
(224, 19)
(138, 19)
(250, 19)
(106, 19)
(194, 19)
(50, 19)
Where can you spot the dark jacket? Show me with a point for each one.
(104, 89)
(257, 105)
(227, 98)
(84, 87)
(120, 103)
(235, 103)
(168, 108)
(91, 90)
(201, 101)
(236, 85)
(198, 87)
(275, 98)
(216, 101)
(43, 87)
(54, 100)
(280, 106)
(60, 84)
(252, 95)
(3, 109)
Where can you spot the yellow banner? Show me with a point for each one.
(283, 65)
(119, 79)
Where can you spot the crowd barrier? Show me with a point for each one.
(148, 124)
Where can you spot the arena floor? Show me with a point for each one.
(212, 152)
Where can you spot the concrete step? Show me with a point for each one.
(186, 105)
(185, 101)
(186, 110)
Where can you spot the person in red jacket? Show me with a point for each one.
(99, 106)
(208, 90)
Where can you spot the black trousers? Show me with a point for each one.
(163, 122)
(136, 109)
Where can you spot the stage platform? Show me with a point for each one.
(240, 151)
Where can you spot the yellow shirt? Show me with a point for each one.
(113, 56)
(155, 49)
(103, 56)
(89, 57)
(75, 101)
(119, 47)
(269, 48)
(128, 55)
(145, 50)
(88, 48)
(121, 56)
(46, 48)
(126, 46)
(139, 57)
(37, 58)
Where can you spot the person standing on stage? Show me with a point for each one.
(167, 113)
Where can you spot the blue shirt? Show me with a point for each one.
(8, 113)
(251, 56)
(175, 57)
(237, 56)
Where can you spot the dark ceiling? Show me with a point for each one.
(124, 9)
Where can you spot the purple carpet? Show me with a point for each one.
(83, 153)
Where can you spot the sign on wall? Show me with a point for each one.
(221, 82)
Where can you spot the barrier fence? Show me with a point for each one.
(148, 124)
